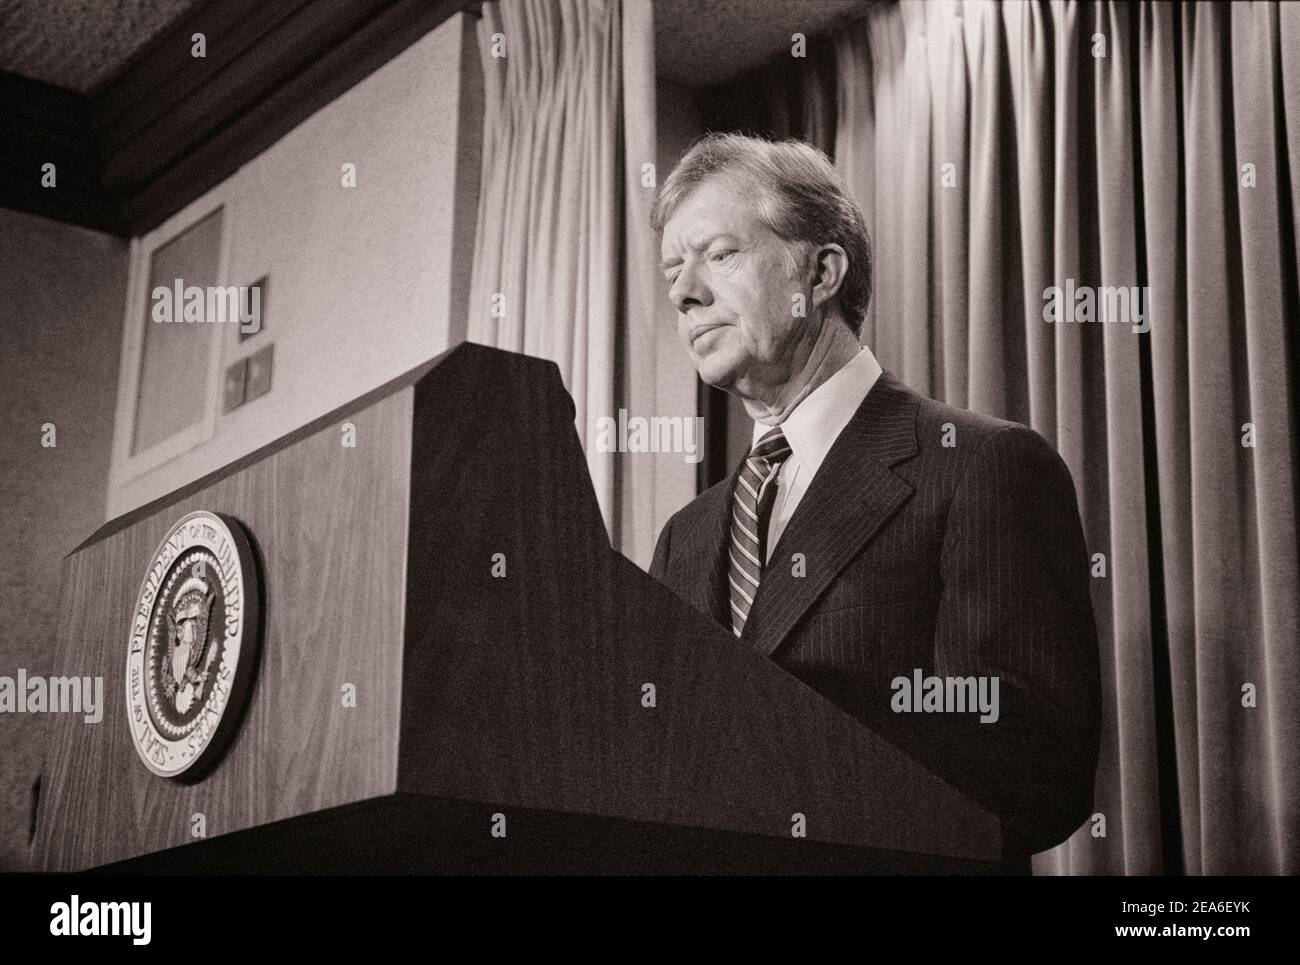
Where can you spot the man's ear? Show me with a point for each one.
(831, 264)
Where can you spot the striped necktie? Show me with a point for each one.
(750, 510)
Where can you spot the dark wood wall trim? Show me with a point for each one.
(169, 126)
(41, 124)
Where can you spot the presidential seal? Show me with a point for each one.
(193, 640)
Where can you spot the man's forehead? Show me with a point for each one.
(712, 210)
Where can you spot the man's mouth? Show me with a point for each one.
(703, 329)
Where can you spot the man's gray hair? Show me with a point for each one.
(797, 194)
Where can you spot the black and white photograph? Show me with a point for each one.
(612, 439)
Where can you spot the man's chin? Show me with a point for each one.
(721, 373)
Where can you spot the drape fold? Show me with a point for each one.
(564, 254)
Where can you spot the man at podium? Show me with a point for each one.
(922, 566)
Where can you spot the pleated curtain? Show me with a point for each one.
(564, 254)
(1002, 149)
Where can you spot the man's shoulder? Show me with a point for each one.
(682, 522)
(962, 441)
(984, 445)
(946, 426)
(700, 506)
(934, 415)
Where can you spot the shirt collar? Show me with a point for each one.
(816, 422)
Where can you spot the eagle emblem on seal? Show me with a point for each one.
(185, 667)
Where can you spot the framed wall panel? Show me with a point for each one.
(168, 399)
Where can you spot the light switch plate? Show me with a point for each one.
(259, 374)
(233, 387)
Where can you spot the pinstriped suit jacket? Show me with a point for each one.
(958, 560)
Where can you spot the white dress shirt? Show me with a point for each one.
(811, 429)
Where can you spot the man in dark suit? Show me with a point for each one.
(875, 540)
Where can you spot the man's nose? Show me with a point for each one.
(688, 290)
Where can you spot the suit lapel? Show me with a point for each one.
(853, 494)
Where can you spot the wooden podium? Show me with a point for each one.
(481, 702)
